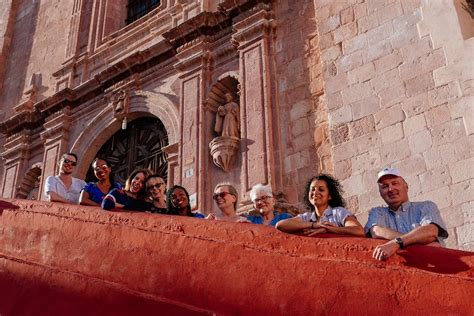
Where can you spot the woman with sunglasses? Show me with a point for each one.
(156, 189)
(177, 202)
(226, 198)
(132, 198)
(263, 201)
(327, 212)
(94, 192)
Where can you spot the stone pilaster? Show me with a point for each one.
(55, 139)
(16, 157)
(254, 37)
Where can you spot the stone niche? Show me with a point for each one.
(224, 102)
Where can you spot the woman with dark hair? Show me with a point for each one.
(94, 192)
(177, 202)
(323, 197)
(131, 198)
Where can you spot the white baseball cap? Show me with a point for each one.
(389, 171)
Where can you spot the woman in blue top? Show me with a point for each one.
(94, 192)
(263, 201)
(177, 202)
(326, 211)
(133, 197)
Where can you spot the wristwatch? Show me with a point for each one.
(399, 241)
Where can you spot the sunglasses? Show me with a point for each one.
(220, 195)
(72, 163)
(98, 168)
(152, 186)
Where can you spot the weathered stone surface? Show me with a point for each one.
(157, 263)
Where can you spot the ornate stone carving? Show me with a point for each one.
(224, 147)
(223, 150)
(228, 118)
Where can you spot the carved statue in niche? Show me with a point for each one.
(228, 118)
(224, 147)
(120, 102)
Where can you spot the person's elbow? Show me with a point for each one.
(359, 231)
(376, 232)
(281, 225)
(432, 231)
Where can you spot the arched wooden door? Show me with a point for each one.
(139, 146)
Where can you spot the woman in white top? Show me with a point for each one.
(226, 197)
(326, 211)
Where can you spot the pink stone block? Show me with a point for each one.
(419, 84)
(433, 60)
(390, 153)
(388, 62)
(389, 116)
(364, 126)
(445, 93)
(417, 49)
(349, 62)
(389, 12)
(380, 33)
(347, 15)
(420, 142)
(392, 95)
(354, 43)
(361, 74)
(345, 32)
(365, 107)
(367, 22)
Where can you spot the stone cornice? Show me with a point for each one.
(203, 29)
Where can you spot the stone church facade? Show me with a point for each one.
(245, 91)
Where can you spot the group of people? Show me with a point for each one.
(401, 222)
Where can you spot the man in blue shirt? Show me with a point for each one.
(402, 222)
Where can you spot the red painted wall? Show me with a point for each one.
(64, 259)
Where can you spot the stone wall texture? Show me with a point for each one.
(399, 89)
(341, 87)
(64, 259)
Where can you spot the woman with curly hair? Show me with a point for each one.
(323, 198)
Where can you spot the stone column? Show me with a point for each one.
(16, 157)
(194, 63)
(253, 38)
(55, 139)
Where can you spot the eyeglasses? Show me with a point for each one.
(260, 199)
(219, 195)
(103, 167)
(72, 163)
(152, 186)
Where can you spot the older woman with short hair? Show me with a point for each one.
(327, 214)
(263, 201)
(226, 198)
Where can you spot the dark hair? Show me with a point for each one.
(111, 176)
(69, 154)
(171, 209)
(334, 188)
(146, 172)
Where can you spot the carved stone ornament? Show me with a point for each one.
(223, 149)
(120, 102)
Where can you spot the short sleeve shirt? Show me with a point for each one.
(408, 217)
(257, 219)
(95, 194)
(337, 216)
(54, 184)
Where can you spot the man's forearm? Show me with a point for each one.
(54, 197)
(383, 233)
(420, 235)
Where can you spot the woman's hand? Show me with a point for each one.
(211, 216)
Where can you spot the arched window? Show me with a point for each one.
(138, 8)
(139, 146)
